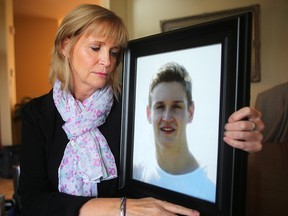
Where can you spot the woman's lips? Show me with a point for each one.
(102, 74)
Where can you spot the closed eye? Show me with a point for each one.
(114, 52)
(95, 49)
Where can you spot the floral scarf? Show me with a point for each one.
(87, 158)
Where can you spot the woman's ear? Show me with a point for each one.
(64, 46)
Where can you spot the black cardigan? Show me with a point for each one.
(43, 145)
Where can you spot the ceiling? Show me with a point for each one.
(54, 9)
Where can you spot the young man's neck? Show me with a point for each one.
(176, 162)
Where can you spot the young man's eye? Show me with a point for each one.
(159, 107)
(177, 107)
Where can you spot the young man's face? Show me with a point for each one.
(169, 113)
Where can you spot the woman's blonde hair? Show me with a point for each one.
(94, 19)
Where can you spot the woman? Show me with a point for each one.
(70, 142)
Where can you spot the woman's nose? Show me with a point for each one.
(104, 57)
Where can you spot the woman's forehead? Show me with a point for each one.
(104, 31)
(100, 36)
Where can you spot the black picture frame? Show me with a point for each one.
(233, 35)
(167, 25)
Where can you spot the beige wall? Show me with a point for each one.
(33, 43)
(144, 19)
(7, 71)
(34, 37)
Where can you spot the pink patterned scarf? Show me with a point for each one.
(87, 158)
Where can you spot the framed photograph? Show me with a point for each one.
(172, 144)
(168, 25)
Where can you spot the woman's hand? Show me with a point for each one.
(155, 207)
(134, 207)
(244, 130)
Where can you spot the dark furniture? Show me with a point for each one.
(9, 156)
(267, 183)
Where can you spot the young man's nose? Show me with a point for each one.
(167, 115)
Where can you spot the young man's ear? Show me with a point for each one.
(148, 114)
(191, 112)
(64, 47)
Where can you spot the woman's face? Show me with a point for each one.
(92, 61)
(169, 114)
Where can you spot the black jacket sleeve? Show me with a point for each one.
(37, 194)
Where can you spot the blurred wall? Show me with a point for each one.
(7, 71)
(33, 43)
(34, 37)
(144, 16)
